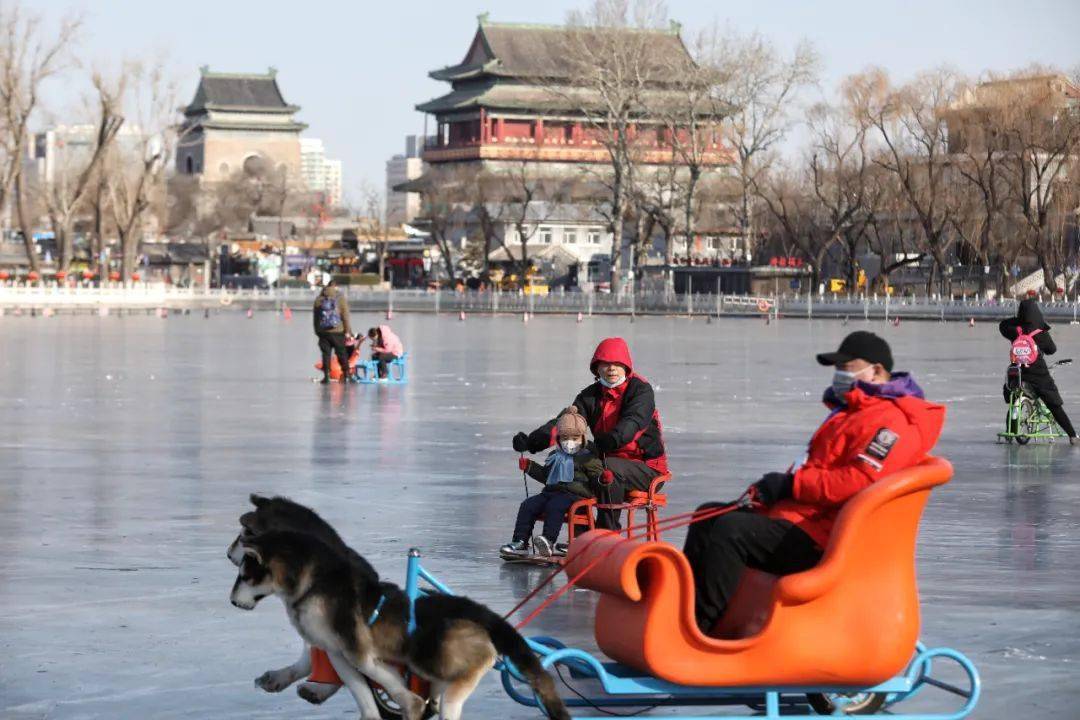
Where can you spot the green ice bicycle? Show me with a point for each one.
(1027, 417)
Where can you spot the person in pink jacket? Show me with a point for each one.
(385, 347)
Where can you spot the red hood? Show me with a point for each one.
(927, 417)
(612, 350)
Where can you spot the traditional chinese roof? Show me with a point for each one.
(506, 96)
(515, 67)
(539, 51)
(239, 92)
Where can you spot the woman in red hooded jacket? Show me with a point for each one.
(621, 412)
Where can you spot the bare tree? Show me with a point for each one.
(697, 100)
(29, 55)
(373, 227)
(911, 123)
(660, 198)
(67, 190)
(888, 232)
(796, 217)
(759, 86)
(135, 174)
(840, 171)
(978, 159)
(612, 65)
(444, 200)
(529, 200)
(1041, 132)
(484, 195)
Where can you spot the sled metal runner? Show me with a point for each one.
(624, 687)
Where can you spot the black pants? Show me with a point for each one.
(629, 475)
(333, 342)
(383, 359)
(720, 549)
(552, 504)
(1044, 388)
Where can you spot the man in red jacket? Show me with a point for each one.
(879, 423)
(621, 412)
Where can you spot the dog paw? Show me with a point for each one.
(415, 707)
(316, 693)
(274, 680)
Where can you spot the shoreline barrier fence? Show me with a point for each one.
(869, 307)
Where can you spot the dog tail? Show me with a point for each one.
(510, 644)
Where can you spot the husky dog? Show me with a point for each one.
(363, 624)
(280, 513)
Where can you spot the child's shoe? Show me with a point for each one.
(517, 548)
(543, 546)
(561, 549)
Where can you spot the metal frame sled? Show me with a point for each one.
(840, 638)
(1026, 416)
(367, 371)
(580, 518)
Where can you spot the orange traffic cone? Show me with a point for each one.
(321, 669)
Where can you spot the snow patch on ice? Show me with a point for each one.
(1020, 654)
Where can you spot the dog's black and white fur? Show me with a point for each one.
(331, 595)
(272, 514)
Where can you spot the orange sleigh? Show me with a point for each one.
(853, 620)
(335, 366)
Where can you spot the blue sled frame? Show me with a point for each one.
(367, 371)
(624, 687)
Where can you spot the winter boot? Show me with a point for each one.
(517, 548)
(543, 546)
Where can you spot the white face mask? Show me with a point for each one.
(843, 381)
(570, 446)
(607, 384)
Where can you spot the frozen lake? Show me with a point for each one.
(129, 447)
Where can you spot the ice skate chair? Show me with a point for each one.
(853, 620)
(367, 371)
(581, 515)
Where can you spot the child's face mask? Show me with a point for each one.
(570, 446)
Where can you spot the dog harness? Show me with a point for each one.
(378, 609)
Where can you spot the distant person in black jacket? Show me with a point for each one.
(1036, 376)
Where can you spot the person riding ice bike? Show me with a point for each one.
(1034, 401)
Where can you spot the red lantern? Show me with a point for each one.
(135, 277)
(87, 275)
(4, 275)
(61, 274)
(33, 276)
(114, 276)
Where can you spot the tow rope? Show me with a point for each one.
(670, 523)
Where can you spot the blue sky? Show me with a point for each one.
(358, 67)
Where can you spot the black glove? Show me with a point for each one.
(773, 487)
(605, 442)
(521, 442)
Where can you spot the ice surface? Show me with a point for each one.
(129, 447)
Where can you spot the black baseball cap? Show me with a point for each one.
(862, 345)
